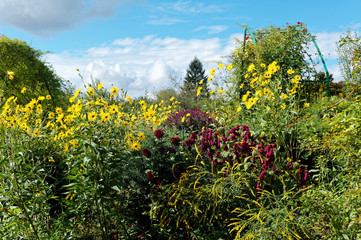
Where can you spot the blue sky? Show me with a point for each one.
(138, 44)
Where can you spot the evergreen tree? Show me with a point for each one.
(195, 78)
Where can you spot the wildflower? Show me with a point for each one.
(147, 153)
(159, 133)
(129, 99)
(220, 91)
(200, 82)
(36, 133)
(212, 72)
(229, 67)
(11, 75)
(171, 99)
(90, 91)
(199, 91)
(114, 91)
(175, 141)
(105, 117)
(306, 105)
(209, 79)
(220, 65)
(23, 90)
(135, 146)
(290, 71)
(263, 65)
(283, 106)
(141, 136)
(100, 86)
(266, 91)
(48, 97)
(250, 68)
(283, 96)
(241, 86)
(239, 109)
(58, 110)
(212, 92)
(77, 69)
(92, 116)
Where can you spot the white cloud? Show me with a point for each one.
(189, 7)
(45, 18)
(212, 29)
(146, 64)
(137, 64)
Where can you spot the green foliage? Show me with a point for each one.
(287, 46)
(27, 70)
(349, 51)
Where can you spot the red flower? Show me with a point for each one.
(298, 22)
(247, 38)
(305, 30)
(159, 133)
(140, 236)
(115, 236)
(175, 141)
(147, 153)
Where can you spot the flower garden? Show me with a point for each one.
(266, 156)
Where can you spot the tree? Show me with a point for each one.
(195, 78)
(349, 52)
(25, 75)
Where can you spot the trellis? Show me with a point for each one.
(327, 81)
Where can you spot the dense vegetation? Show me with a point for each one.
(264, 156)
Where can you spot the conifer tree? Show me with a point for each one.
(195, 78)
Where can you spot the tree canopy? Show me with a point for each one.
(24, 74)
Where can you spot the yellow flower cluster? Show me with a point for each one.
(63, 126)
(264, 88)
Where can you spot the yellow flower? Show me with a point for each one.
(290, 71)
(135, 145)
(105, 117)
(229, 67)
(220, 91)
(241, 86)
(113, 109)
(239, 109)
(141, 136)
(183, 119)
(114, 91)
(199, 91)
(250, 68)
(58, 110)
(259, 93)
(212, 92)
(92, 116)
(283, 106)
(36, 133)
(283, 96)
(220, 65)
(90, 91)
(200, 82)
(100, 86)
(129, 99)
(266, 91)
(251, 102)
(171, 99)
(48, 97)
(210, 79)
(212, 72)
(23, 90)
(11, 75)
(306, 105)
(51, 115)
(297, 77)
(263, 65)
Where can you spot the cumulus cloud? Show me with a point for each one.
(138, 64)
(46, 18)
(212, 29)
(146, 64)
